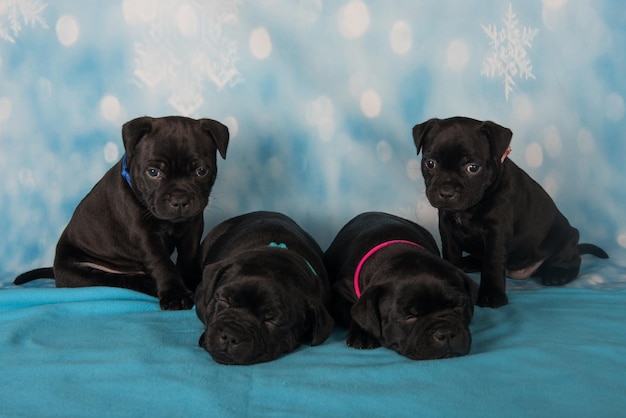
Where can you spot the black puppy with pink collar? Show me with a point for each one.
(392, 289)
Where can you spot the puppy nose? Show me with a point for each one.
(179, 201)
(444, 336)
(446, 193)
(227, 338)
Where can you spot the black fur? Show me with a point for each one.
(412, 301)
(264, 289)
(122, 235)
(492, 210)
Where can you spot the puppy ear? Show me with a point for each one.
(218, 132)
(133, 131)
(499, 139)
(366, 311)
(319, 323)
(211, 276)
(421, 132)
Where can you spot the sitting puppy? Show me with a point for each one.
(264, 289)
(391, 288)
(491, 209)
(151, 202)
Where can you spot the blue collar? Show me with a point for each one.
(282, 245)
(125, 172)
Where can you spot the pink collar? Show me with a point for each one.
(370, 253)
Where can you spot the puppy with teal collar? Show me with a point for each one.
(264, 289)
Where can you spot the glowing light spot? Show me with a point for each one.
(400, 38)
(353, 19)
(414, 169)
(6, 108)
(553, 13)
(370, 103)
(233, 126)
(551, 186)
(260, 43)
(523, 108)
(457, 55)
(110, 108)
(111, 152)
(534, 155)
(621, 240)
(67, 30)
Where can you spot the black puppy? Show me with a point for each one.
(151, 202)
(391, 288)
(264, 289)
(491, 209)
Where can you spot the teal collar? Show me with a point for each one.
(283, 245)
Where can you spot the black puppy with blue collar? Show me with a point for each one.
(123, 233)
(264, 289)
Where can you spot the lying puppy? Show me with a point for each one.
(264, 289)
(392, 289)
(151, 202)
(491, 209)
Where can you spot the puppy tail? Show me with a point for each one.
(591, 249)
(42, 273)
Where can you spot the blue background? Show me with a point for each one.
(320, 98)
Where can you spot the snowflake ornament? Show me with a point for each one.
(185, 48)
(508, 58)
(15, 13)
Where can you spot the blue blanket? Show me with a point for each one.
(103, 351)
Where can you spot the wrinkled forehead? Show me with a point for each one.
(428, 295)
(252, 291)
(177, 140)
(454, 144)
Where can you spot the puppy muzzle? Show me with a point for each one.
(442, 339)
(235, 341)
(178, 206)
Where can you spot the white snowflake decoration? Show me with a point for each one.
(14, 13)
(180, 55)
(508, 58)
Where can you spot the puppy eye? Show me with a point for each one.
(430, 164)
(222, 302)
(272, 319)
(202, 171)
(472, 168)
(410, 318)
(273, 322)
(153, 172)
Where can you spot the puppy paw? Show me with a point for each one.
(491, 298)
(555, 276)
(177, 302)
(470, 264)
(361, 340)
